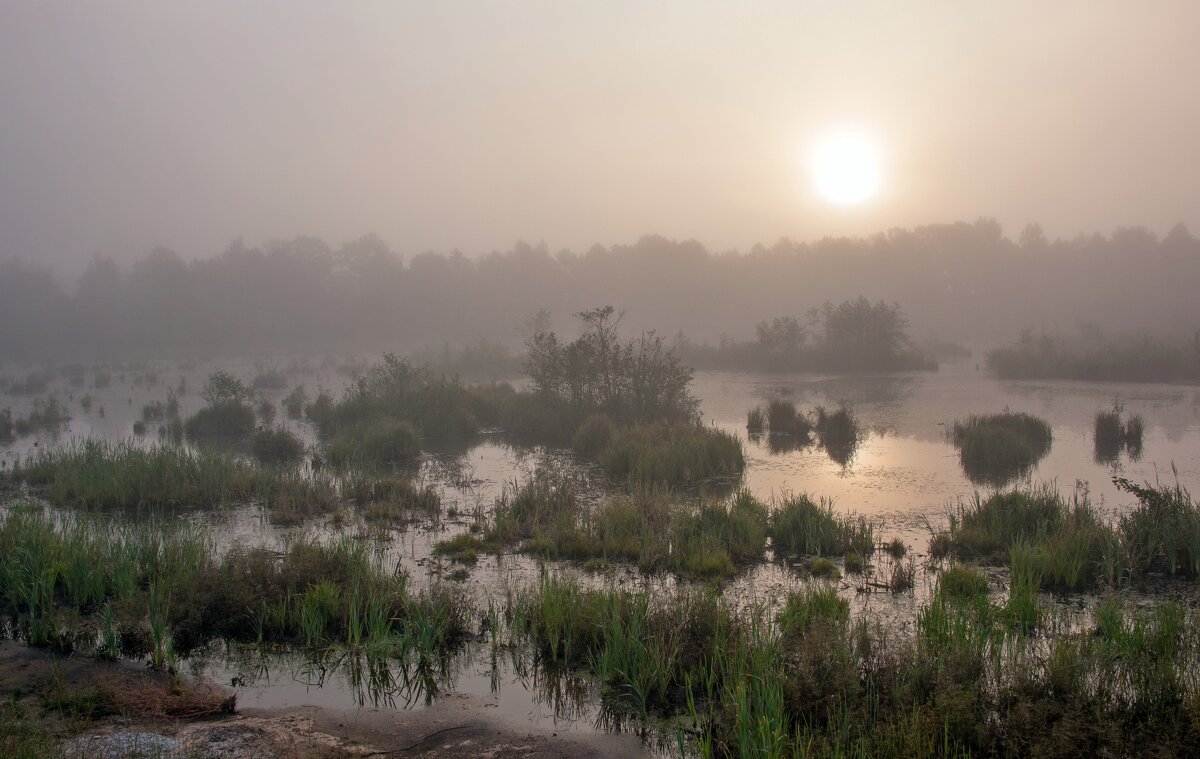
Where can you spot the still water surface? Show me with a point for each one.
(904, 474)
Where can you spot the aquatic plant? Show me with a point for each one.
(1162, 533)
(49, 414)
(854, 335)
(838, 432)
(463, 548)
(808, 680)
(1063, 541)
(1138, 359)
(33, 383)
(123, 477)
(963, 581)
(546, 502)
(784, 419)
(378, 441)
(756, 421)
(172, 430)
(1112, 434)
(395, 391)
(389, 499)
(547, 516)
(813, 605)
(673, 454)
(996, 448)
(265, 411)
(165, 580)
(800, 525)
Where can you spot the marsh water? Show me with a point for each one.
(904, 474)
(903, 470)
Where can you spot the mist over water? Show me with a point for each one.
(964, 282)
(545, 379)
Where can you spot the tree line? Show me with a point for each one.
(961, 282)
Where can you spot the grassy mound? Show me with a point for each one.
(996, 448)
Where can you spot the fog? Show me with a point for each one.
(964, 282)
(469, 126)
(769, 378)
(652, 158)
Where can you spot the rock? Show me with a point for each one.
(121, 746)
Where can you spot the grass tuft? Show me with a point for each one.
(996, 448)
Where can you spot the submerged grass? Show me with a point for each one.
(802, 526)
(839, 433)
(1062, 542)
(162, 590)
(375, 442)
(386, 498)
(810, 681)
(756, 421)
(707, 538)
(1112, 434)
(995, 448)
(784, 419)
(125, 477)
(1066, 545)
(1162, 533)
(49, 414)
(547, 516)
(673, 454)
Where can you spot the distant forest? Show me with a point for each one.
(963, 282)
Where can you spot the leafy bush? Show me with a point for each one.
(228, 413)
(224, 420)
(636, 381)
(438, 406)
(854, 335)
(223, 388)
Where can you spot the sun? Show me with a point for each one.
(846, 167)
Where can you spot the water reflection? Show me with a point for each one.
(1107, 451)
(782, 443)
(842, 452)
(999, 474)
(566, 693)
(867, 389)
(371, 678)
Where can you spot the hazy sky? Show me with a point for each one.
(449, 124)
